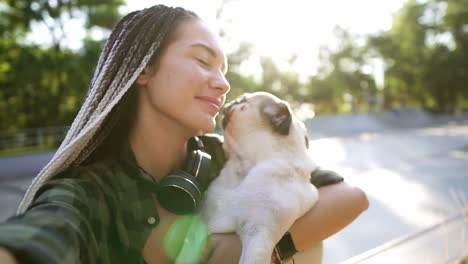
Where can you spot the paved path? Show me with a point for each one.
(16, 173)
(414, 178)
(441, 243)
(20, 166)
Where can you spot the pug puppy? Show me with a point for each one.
(265, 184)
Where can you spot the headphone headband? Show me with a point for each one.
(195, 143)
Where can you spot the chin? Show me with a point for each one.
(209, 129)
(205, 126)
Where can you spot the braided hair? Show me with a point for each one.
(137, 41)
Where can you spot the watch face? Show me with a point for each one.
(285, 247)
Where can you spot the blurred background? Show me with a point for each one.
(381, 85)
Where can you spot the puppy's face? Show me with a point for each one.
(261, 122)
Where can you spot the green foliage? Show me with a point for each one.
(342, 85)
(425, 55)
(44, 86)
(239, 83)
(19, 14)
(421, 69)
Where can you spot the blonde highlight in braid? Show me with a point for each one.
(136, 42)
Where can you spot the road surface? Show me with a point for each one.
(414, 178)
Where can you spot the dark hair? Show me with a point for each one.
(132, 37)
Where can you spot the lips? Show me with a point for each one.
(211, 101)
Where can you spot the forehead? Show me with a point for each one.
(195, 33)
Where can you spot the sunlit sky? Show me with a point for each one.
(277, 29)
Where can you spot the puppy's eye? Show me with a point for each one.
(241, 100)
(242, 107)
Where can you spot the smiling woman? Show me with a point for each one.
(189, 86)
(159, 83)
(158, 86)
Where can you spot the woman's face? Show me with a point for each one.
(188, 87)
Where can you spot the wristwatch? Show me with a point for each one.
(284, 250)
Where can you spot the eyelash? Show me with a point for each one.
(203, 62)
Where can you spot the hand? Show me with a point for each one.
(6, 257)
(224, 248)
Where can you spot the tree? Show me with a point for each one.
(341, 84)
(425, 55)
(455, 21)
(43, 85)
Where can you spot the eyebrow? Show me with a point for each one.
(211, 51)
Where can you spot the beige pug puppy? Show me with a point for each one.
(265, 184)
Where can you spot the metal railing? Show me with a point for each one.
(41, 138)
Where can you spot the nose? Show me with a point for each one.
(221, 83)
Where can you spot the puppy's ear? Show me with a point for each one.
(279, 115)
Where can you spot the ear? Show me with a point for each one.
(279, 115)
(144, 77)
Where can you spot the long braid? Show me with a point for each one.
(136, 40)
(122, 73)
(112, 76)
(106, 68)
(108, 64)
(110, 43)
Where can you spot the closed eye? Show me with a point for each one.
(203, 62)
(211, 53)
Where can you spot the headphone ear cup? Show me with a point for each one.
(181, 192)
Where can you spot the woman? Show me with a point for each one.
(159, 82)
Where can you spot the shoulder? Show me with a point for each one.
(68, 188)
(78, 185)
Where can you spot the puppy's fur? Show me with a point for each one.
(265, 184)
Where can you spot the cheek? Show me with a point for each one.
(189, 72)
(177, 76)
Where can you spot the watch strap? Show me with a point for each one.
(285, 249)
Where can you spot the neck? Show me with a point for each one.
(158, 143)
